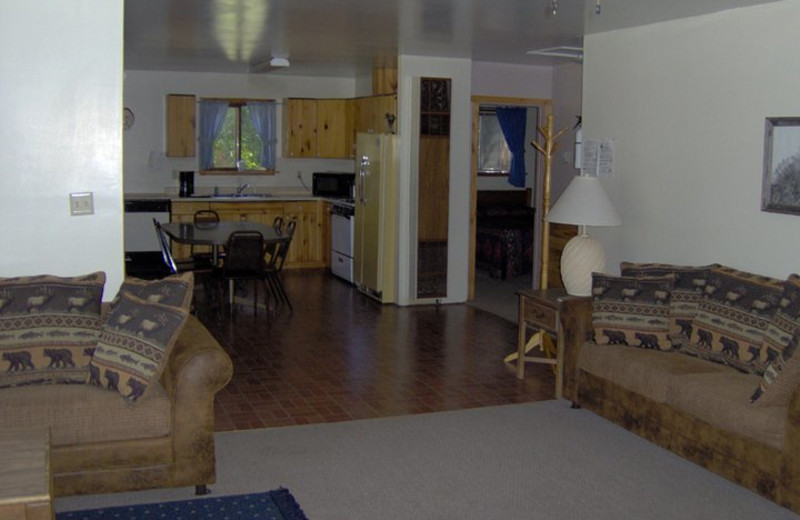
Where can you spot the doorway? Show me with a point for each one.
(505, 224)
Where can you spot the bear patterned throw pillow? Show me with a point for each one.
(687, 292)
(631, 311)
(49, 327)
(134, 345)
(732, 317)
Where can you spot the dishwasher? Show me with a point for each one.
(142, 249)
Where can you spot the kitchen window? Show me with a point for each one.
(237, 136)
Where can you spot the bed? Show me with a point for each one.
(504, 233)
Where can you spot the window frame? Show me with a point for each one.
(237, 104)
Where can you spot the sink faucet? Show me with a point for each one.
(241, 189)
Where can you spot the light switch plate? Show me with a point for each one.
(81, 203)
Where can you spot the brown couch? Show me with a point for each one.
(100, 443)
(691, 406)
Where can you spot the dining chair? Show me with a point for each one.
(202, 271)
(174, 265)
(274, 265)
(204, 217)
(271, 247)
(244, 261)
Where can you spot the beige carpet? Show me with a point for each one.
(517, 462)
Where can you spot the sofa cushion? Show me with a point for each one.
(175, 290)
(686, 293)
(134, 345)
(722, 399)
(779, 346)
(631, 311)
(732, 317)
(781, 377)
(79, 414)
(49, 326)
(646, 372)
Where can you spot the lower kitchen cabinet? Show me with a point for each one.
(310, 240)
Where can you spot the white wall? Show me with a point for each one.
(146, 93)
(567, 98)
(685, 102)
(61, 100)
(410, 69)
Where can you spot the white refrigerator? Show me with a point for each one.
(375, 243)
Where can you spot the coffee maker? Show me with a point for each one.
(186, 184)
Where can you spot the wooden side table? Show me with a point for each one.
(539, 310)
(25, 479)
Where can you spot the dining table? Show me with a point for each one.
(215, 234)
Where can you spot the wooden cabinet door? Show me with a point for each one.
(180, 125)
(370, 113)
(334, 125)
(306, 247)
(300, 121)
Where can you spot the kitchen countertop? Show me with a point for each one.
(250, 197)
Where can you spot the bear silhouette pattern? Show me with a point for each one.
(59, 358)
(18, 361)
(647, 340)
(137, 389)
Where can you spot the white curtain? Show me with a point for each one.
(263, 115)
(212, 116)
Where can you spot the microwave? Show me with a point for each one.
(333, 185)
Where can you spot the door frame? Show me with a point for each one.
(545, 107)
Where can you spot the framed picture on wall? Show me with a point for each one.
(780, 192)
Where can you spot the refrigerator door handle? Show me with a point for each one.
(362, 172)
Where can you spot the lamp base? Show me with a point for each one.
(582, 255)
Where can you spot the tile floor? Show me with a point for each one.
(342, 356)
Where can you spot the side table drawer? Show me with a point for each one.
(543, 317)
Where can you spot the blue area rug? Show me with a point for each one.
(278, 504)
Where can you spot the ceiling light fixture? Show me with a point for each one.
(598, 7)
(554, 7)
(573, 53)
(273, 63)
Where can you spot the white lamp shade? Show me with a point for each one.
(584, 203)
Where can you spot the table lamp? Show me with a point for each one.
(583, 203)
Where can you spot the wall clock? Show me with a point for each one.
(127, 118)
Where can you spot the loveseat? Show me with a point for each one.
(698, 360)
(82, 369)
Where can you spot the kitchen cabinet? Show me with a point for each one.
(370, 113)
(309, 245)
(321, 128)
(181, 125)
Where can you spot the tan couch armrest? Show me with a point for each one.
(576, 319)
(198, 368)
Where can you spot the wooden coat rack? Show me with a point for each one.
(547, 147)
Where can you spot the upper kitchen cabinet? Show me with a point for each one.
(320, 128)
(376, 114)
(181, 125)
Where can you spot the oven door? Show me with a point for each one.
(342, 246)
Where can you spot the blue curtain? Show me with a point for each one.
(262, 113)
(512, 122)
(212, 116)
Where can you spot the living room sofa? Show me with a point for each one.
(107, 437)
(675, 377)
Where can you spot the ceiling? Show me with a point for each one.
(345, 37)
